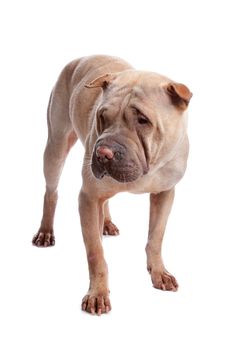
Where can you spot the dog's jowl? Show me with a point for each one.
(133, 127)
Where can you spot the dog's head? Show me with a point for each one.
(139, 120)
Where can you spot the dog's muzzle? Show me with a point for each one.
(112, 159)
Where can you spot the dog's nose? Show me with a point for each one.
(104, 153)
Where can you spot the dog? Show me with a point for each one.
(133, 125)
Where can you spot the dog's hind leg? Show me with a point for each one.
(54, 159)
(109, 228)
(61, 138)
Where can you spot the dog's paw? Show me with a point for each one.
(43, 239)
(110, 229)
(96, 303)
(163, 280)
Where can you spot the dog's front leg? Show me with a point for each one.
(91, 216)
(160, 207)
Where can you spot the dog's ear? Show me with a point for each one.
(179, 95)
(102, 81)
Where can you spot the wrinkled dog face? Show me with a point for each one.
(121, 155)
(139, 116)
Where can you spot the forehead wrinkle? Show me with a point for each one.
(140, 100)
(129, 94)
(125, 101)
(117, 102)
(138, 92)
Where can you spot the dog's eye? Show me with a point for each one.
(142, 120)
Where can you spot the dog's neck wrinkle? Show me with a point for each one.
(161, 139)
(157, 154)
(168, 157)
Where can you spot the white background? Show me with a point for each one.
(41, 289)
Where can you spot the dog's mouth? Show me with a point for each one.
(123, 174)
(118, 166)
